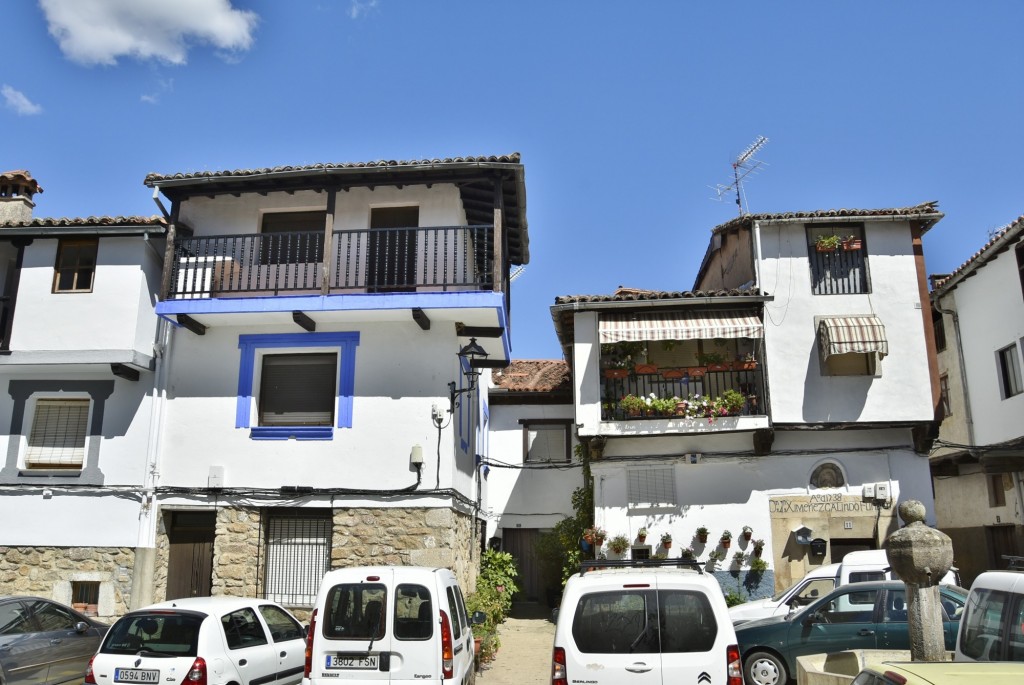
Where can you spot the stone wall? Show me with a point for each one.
(49, 571)
(407, 537)
(236, 552)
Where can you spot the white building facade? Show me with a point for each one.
(978, 463)
(830, 357)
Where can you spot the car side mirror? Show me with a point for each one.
(81, 627)
(478, 618)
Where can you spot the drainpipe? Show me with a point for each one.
(757, 255)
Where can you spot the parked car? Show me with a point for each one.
(202, 641)
(43, 642)
(941, 673)
(993, 625)
(644, 621)
(855, 567)
(871, 615)
(381, 624)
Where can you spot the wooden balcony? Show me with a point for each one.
(422, 259)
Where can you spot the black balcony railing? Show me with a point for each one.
(369, 260)
(749, 383)
(838, 272)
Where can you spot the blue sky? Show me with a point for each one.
(625, 112)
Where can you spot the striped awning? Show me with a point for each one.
(693, 325)
(858, 334)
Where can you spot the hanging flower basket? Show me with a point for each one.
(726, 542)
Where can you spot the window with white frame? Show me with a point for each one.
(545, 440)
(298, 554)
(1009, 371)
(298, 389)
(651, 487)
(58, 435)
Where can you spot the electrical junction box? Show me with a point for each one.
(882, 491)
(869, 491)
(216, 477)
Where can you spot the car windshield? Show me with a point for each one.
(782, 593)
(167, 634)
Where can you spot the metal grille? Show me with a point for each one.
(298, 554)
(651, 486)
(839, 272)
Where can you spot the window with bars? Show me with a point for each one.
(57, 437)
(298, 554)
(76, 265)
(947, 409)
(545, 440)
(840, 269)
(651, 487)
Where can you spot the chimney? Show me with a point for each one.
(16, 191)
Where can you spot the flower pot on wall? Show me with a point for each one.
(667, 545)
(726, 543)
(616, 373)
(852, 244)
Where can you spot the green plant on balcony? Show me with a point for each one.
(707, 358)
(623, 355)
(633, 405)
(827, 243)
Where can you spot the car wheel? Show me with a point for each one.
(764, 668)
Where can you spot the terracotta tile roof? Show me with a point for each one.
(926, 209)
(513, 158)
(623, 294)
(64, 222)
(999, 242)
(533, 376)
(20, 176)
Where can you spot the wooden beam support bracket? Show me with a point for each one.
(304, 321)
(421, 318)
(464, 331)
(191, 324)
(125, 372)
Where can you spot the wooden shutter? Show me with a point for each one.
(57, 439)
(298, 389)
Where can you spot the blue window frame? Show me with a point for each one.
(344, 342)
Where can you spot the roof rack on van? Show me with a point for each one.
(595, 564)
(1016, 563)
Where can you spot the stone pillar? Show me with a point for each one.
(921, 556)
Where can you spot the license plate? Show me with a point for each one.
(349, 661)
(135, 675)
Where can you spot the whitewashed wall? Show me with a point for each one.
(991, 317)
(401, 371)
(116, 315)
(799, 392)
(525, 498)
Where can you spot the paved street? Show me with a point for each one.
(525, 654)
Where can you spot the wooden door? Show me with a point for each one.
(190, 562)
(522, 544)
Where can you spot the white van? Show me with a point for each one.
(373, 625)
(636, 622)
(856, 567)
(992, 628)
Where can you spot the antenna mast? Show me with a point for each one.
(744, 166)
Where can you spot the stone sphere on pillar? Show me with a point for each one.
(918, 554)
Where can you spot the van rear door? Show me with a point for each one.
(416, 627)
(693, 644)
(354, 634)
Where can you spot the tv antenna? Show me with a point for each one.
(745, 165)
(516, 273)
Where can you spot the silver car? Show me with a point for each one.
(43, 642)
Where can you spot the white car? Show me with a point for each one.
(644, 622)
(202, 641)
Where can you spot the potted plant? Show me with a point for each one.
(641, 535)
(828, 243)
(588, 534)
(689, 553)
(726, 539)
(618, 544)
(633, 405)
(702, 534)
(747, 532)
(758, 566)
(666, 540)
(758, 547)
(852, 243)
(664, 406)
(729, 403)
(714, 361)
(739, 558)
(599, 536)
(746, 362)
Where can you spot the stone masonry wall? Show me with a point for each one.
(236, 552)
(49, 571)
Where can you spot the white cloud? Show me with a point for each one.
(162, 86)
(100, 31)
(16, 100)
(360, 7)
